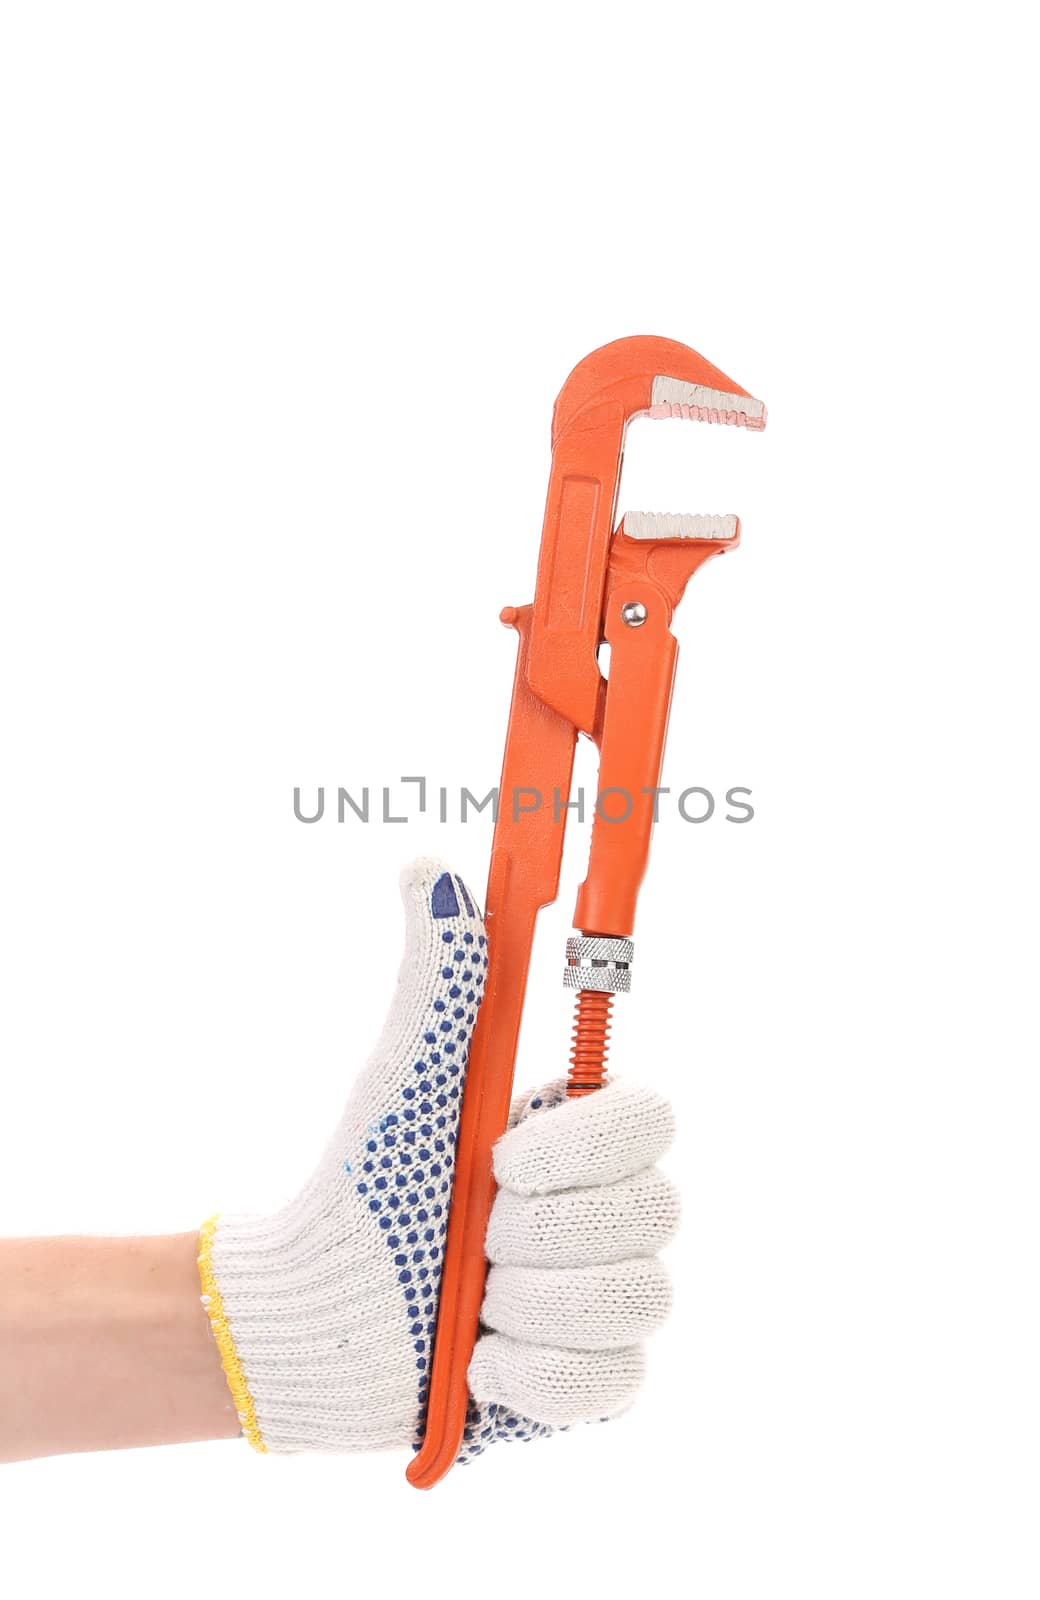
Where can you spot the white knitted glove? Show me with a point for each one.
(574, 1285)
(324, 1313)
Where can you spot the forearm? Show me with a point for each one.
(104, 1345)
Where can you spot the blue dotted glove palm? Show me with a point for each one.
(325, 1312)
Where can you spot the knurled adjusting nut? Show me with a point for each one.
(603, 964)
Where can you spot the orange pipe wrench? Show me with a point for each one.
(596, 584)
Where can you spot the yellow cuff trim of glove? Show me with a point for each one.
(236, 1378)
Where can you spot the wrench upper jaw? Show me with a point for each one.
(659, 376)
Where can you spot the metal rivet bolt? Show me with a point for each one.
(633, 615)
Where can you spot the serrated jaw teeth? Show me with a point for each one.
(671, 525)
(670, 397)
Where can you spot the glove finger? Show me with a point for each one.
(584, 1227)
(421, 1055)
(555, 1386)
(439, 914)
(586, 1142)
(584, 1308)
(531, 1101)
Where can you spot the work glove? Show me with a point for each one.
(324, 1313)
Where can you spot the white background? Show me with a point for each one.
(287, 294)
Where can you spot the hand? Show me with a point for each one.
(575, 1284)
(325, 1312)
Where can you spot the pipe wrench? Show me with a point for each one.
(598, 583)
